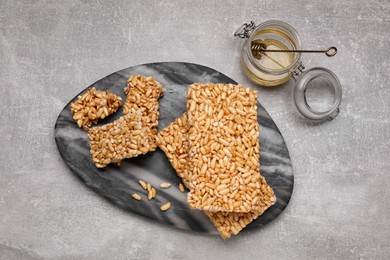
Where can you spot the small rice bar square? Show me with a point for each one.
(224, 148)
(142, 94)
(113, 142)
(94, 105)
(173, 141)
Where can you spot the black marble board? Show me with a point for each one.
(117, 183)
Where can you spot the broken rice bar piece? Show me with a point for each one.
(94, 105)
(173, 141)
(113, 142)
(134, 133)
(143, 94)
(224, 157)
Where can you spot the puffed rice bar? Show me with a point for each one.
(142, 94)
(94, 105)
(173, 141)
(113, 142)
(224, 149)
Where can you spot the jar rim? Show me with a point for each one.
(287, 29)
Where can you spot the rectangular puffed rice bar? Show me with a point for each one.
(94, 105)
(123, 138)
(142, 94)
(224, 149)
(173, 141)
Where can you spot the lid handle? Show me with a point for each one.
(245, 30)
(298, 70)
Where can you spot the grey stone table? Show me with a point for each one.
(51, 50)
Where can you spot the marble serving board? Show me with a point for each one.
(117, 183)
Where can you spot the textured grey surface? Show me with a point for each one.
(51, 50)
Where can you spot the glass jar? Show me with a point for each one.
(270, 69)
(274, 68)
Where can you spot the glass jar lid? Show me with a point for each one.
(314, 78)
